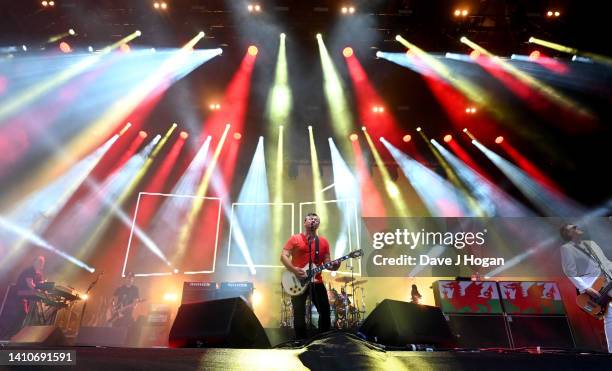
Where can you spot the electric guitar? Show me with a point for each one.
(294, 285)
(119, 312)
(596, 306)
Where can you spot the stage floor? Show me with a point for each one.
(337, 352)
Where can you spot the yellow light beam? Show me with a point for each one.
(390, 186)
(277, 210)
(317, 184)
(453, 178)
(185, 232)
(530, 81)
(31, 94)
(566, 49)
(128, 190)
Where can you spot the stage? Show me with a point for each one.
(337, 351)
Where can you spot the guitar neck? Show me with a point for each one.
(327, 265)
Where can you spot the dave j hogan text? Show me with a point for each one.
(409, 260)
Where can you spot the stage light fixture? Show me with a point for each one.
(65, 47)
(137, 33)
(557, 14)
(353, 137)
(253, 50)
(215, 106)
(164, 6)
(257, 8)
(534, 55)
(142, 134)
(71, 32)
(379, 54)
(499, 139)
(549, 13)
(418, 129)
(318, 36)
(237, 136)
(448, 138)
(351, 9)
(24, 48)
(170, 296)
(344, 10)
(44, 3)
(282, 35)
(407, 138)
(347, 52)
(250, 7)
(90, 49)
(464, 12)
(363, 128)
(156, 5)
(184, 135)
(465, 130)
(457, 12)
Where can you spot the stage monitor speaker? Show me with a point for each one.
(479, 331)
(102, 336)
(543, 331)
(225, 323)
(399, 323)
(48, 336)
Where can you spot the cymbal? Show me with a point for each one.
(344, 279)
(360, 282)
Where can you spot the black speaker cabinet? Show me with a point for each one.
(48, 336)
(399, 323)
(102, 336)
(225, 323)
(543, 331)
(479, 331)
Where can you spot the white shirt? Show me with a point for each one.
(579, 267)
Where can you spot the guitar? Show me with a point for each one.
(294, 285)
(596, 306)
(119, 312)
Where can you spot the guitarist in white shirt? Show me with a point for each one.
(295, 256)
(580, 264)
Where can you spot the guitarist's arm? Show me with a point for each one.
(286, 260)
(327, 259)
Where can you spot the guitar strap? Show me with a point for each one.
(316, 260)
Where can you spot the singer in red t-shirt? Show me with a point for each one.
(294, 257)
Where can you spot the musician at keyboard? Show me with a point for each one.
(18, 304)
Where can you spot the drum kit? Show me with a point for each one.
(346, 302)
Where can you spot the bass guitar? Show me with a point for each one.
(596, 305)
(294, 285)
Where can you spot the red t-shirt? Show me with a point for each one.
(298, 245)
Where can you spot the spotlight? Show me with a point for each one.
(318, 36)
(499, 139)
(398, 37)
(250, 7)
(363, 128)
(549, 13)
(557, 14)
(406, 138)
(257, 8)
(463, 39)
(253, 50)
(237, 136)
(344, 10)
(215, 106)
(84, 297)
(347, 52)
(184, 135)
(201, 34)
(378, 109)
(353, 137)
(448, 138)
(418, 129)
(51, 3)
(474, 54)
(170, 296)
(282, 35)
(379, 54)
(44, 3)
(138, 33)
(164, 6)
(24, 48)
(156, 5)
(71, 32)
(464, 12)
(309, 127)
(257, 298)
(65, 47)
(534, 55)
(457, 12)
(351, 9)
(90, 49)
(531, 39)
(470, 110)
(465, 130)
(142, 134)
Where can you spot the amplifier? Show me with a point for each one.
(195, 292)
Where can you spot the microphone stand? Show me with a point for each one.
(310, 278)
(91, 286)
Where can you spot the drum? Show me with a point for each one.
(332, 296)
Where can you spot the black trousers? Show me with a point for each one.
(319, 298)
